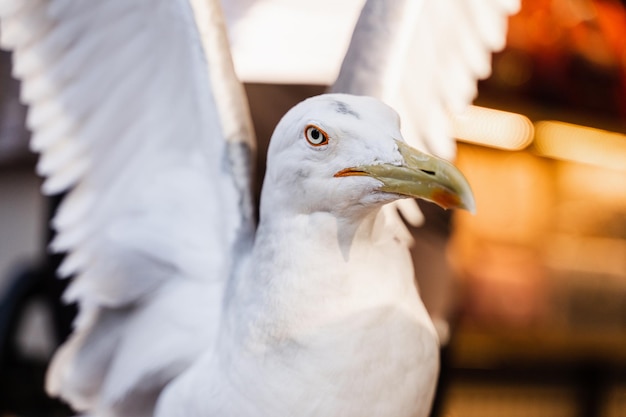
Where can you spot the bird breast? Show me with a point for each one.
(329, 331)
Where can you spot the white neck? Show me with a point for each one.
(315, 286)
(306, 270)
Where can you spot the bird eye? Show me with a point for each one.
(315, 136)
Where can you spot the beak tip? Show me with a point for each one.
(468, 203)
(471, 208)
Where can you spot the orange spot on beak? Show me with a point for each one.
(446, 199)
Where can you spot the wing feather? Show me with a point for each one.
(127, 118)
(424, 57)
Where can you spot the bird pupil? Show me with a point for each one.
(315, 134)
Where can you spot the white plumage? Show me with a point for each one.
(323, 319)
(135, 109)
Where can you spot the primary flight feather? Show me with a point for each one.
(184, 309)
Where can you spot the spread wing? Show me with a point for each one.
(424, 57)
(128, 118)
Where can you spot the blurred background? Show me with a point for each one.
(534, 307)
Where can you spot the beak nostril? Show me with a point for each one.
(425, 171)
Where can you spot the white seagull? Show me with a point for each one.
(187, 309)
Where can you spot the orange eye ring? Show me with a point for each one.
(315, 136)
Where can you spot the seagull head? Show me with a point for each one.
(342, 153)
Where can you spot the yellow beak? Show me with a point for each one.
(421, 176)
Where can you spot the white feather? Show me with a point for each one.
(78, 204)
(59, 155)
(124, 114)
(54, 131)
(424, 58)
(43, 113)
(65, 177)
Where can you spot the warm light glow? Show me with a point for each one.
(593, 255)
(494, 128)
(581, 144)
